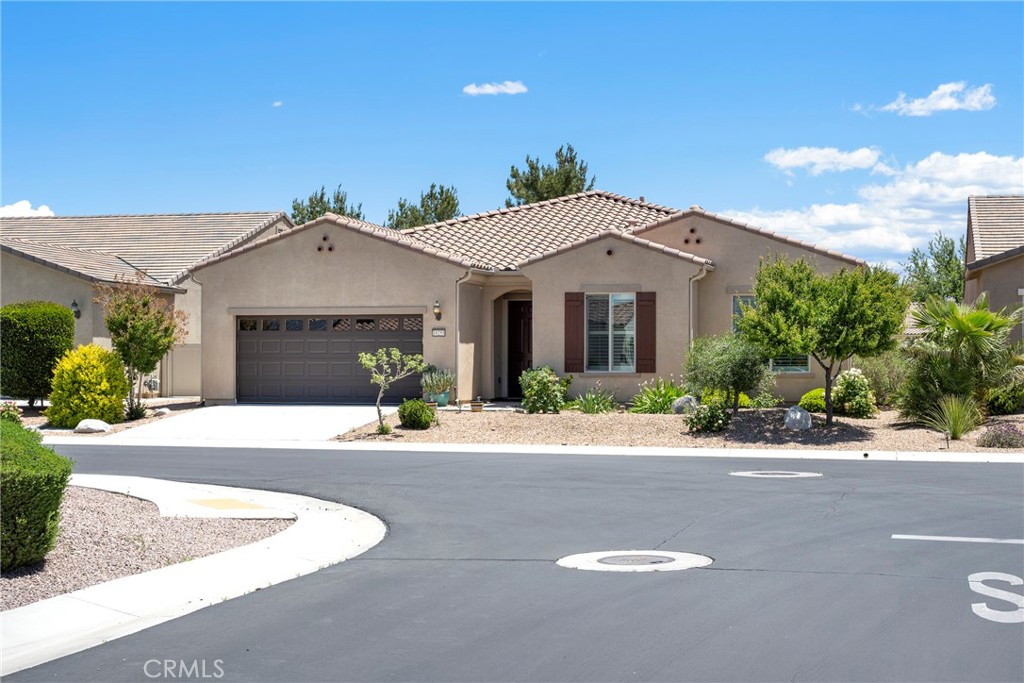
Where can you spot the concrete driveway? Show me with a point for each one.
(249, 424)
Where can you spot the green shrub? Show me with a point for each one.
(1007, 399)
(32, 483)
(886, 374)
(813, 401)
(88, 382)
(596, 400)
(437, 380)
(543, 390)
(1002, 436)
(10, 412)
(852, 395)
(708, 417)
(954, 415)
(718, 396)
(656, 396)
(415, 414)
(33, 335)
(727, 365)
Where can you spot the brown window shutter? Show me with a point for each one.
(574, 332)
(646, 332)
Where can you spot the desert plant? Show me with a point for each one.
(813, 401)
(656, 396)
(708, 417)
(89, 382)
(437, 380)
(596, 400)
(33, 336)
(1007, 399)
(10, 412)
(886, 373)
(954, 415)
(726, 364)
(853, 395)
(386, 367)
(1002, 436)
(415, 414)
(32, 483)
(543, 390)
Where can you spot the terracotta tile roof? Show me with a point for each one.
(996, 224)
(165, 246)
(503, 238)
(94, 266)
(626, 237)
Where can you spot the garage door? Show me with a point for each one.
(315, 359)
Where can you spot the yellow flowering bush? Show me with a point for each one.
(88, 382)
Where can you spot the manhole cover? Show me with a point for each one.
(634, 561)
(775, 474)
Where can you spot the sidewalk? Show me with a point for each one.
(69, 623)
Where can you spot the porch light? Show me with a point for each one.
(75, 309)
(437, 309)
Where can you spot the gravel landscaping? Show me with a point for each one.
(749, 429)
(105, 536)
(34, 417)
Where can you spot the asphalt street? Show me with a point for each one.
(807, 583)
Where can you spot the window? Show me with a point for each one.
(610, 332)
(294, 325)
(317, 324)
(780, 364)
(246, 325)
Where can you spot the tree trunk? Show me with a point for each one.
(380, 414)
(828, 396)
(735, 400)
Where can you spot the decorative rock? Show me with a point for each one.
(684, 405)
(798, 418)
(91, 427)
(162, 411)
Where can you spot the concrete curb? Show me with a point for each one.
(522, 449)
(69, 623)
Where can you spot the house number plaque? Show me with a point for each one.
(437, 332)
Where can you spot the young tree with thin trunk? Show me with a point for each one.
(386, 367)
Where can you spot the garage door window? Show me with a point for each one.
(364, 324)
(270, 325)
(246, 324)
(342, 324)
(294, 325)
(317, 324)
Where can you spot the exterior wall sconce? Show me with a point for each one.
(437, 309)
(75, 309)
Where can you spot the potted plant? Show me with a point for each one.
(437, 383)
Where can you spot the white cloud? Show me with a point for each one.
(503, 88)
(946, 97)
(23, 209)
(277, 103)
(821, 159)
(900, 210)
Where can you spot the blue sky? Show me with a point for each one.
(789, 116)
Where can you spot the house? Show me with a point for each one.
(995, 252)
(62, 258)
(603, 287)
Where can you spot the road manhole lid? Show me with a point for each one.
(775, 474)
(634, 561)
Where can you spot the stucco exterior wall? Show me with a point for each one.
(363, 274)
(629, 268)
(1002, 281)
(736, 254)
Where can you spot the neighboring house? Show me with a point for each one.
(995, 252)
(603, 287)
(62, 258)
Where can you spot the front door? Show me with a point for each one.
(520, 344)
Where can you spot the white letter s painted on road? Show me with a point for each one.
(975, 581)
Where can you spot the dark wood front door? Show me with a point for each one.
(520, 344)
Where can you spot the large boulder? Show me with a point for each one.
(684, 405)
(91, 427)
(798, 418)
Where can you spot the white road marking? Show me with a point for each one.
(957, 539)
(1002, 616)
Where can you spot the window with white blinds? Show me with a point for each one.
(611, 332)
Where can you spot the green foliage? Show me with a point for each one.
(1007, 399)
(656, 396)
(33, 335)
(10, 412)
(887, 374)
(415, 414)
(939, 273)
(813, 401)
(32, 483)
(720, 397)
(729, 365)
(830, 317)
(543, 390)
(1002, 436)
(596, 400)
(852, 395)
(539, 182)
(954, 415)
(437, 380)
(437, 204)
(319, 203)
(386, 367)
(88, 383)
(383, 428)
(708, 417)
(143, 328)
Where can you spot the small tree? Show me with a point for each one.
(143, 327)
(319, 203)
(33, 337)
(386, 367)
(727, 363)
(437, 204)
(536, 182)
(828, 317)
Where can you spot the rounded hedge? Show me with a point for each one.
(32, 483)
(813, 401)
(88, 383)
(415, 414)
(33, 335)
